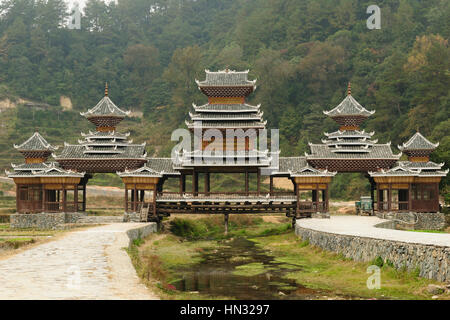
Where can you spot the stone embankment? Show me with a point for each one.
(359, 238)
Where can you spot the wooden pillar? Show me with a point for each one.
(226, 222)
(317, 198)
(258, 181)
(389, 198)
(207, 183)
(75, 197)
(154, 201)
(195, 183)
(126, 199)
(17, 198)
(181, 184)
(135, 198)
(45, 200)
(409, 197)
(372, 196)
(297, 194)
(436, 198)
(327, 199)
(271, 185)
(246, 182)
(64, 194)
(84, 197)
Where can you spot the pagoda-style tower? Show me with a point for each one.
(104, 150)
(418, 148)
(43, 186)
(411, 185)
(36, 149)
(226, 109)
(350, 149)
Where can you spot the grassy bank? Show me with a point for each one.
(158, 260)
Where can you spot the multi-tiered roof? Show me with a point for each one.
(418, 148)
(226, 109)
(104, 150)
(36, 150)
(349, 148)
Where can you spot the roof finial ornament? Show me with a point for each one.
(106, 89)
(227, 69)
(349, 88)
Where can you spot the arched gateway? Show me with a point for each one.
(398, 185)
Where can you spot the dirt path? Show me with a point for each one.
(88, 264)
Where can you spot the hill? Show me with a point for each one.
(303, 54)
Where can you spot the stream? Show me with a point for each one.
(241, 270)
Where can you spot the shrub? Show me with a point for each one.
(378, 261)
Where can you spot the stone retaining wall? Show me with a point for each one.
(432, 261)
(416, 220)
(47, 221)
(142, 232)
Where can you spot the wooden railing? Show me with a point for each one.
(200, 196)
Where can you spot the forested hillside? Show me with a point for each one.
(303, 53)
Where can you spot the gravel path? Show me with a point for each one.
(88, 264)
(365, 227)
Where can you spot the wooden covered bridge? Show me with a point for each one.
(60, 186)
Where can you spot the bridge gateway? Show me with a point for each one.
(396, 185)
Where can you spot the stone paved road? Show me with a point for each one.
(89, 264)
(365, 227)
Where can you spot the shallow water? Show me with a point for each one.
(214, 275)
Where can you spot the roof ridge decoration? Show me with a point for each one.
(36, 143)
(418, 142)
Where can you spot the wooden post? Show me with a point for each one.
(389, 198)
(297, 194)
(64, 198)
(226, 222)
(126, 199)
(317, 198)
(258, 181)
(84, 197)
(135, 198)
(18, 201)
(75, 197)
(44, 204)
(207, 182)
(154, 201)
(195, 183)
(181, 184)
(409, 197)
(327, 199)
(271, 185)
(246, 182)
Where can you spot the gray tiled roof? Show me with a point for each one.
(35, 143)
(226, 116)
(51, 169)
(162, 165)
(349, 134)
(105, 135)
(226, 124)
(378, 151)
(418, 142)
(403, 169)
(288, 164)
(226, 78)
(298, 167)
(105, 108)
(420, 165)
(132, 151)
(144, 171)
(226, 108)
(349, 107)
